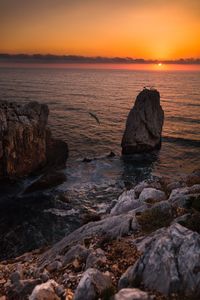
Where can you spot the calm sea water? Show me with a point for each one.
(35, 220)
(72, 93)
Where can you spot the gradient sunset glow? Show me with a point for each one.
(137, 28)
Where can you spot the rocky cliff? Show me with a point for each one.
(25, 145)
(144, 124)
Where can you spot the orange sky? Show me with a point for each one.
(150, 29)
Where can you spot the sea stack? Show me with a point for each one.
(144, 124)
(25, 142)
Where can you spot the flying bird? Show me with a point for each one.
(95, 117)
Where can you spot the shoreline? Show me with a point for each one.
(40, 266)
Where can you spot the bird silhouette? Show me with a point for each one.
(95, 117)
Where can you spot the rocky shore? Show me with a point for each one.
(146, 247)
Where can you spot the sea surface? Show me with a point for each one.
(72, 94)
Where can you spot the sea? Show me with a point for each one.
(73, 93)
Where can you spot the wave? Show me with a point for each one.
(184, 119)
(181, 141)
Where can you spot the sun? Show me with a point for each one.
(160, 64)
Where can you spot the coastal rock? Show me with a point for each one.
(111, 227)
(183, 197)
(132, 294)
(151, 194)
(24, 142)
(144, 124)
(46, 181)
(126, 202)
(45, 291)
(169, 264)
(93, 285)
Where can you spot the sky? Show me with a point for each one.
(149, 29)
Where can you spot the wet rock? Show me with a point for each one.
(45, 291)
(151, 194)
(86, 159)
(57, 152)
(144, 124)
(46, 181)
(132, 294)
(24, 143)
(93, 285)
(169, 264)
(111, 154)
(96, 258)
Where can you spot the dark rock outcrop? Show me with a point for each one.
(144, 124)
(25, 142)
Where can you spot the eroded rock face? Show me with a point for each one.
(144, 124)
(170, 263)
(24, 146)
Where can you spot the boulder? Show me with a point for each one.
(44, 291)
(132, 294)
(144, 124)
(151, 194)
(24, 142)
(93, 285)
(184, 196)
(169, 264)
(125, 203)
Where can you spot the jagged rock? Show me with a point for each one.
(182, 197)
(110, 227)
(57, 152)
(139, 188)
(96, 258)
(151, 194)
(24, 146)
(144, 124)
(169, 264)
(162, 207)
(45, 291)
(132, 294)
(93, 285)
(125, 203)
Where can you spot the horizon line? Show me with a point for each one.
(54, 58)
